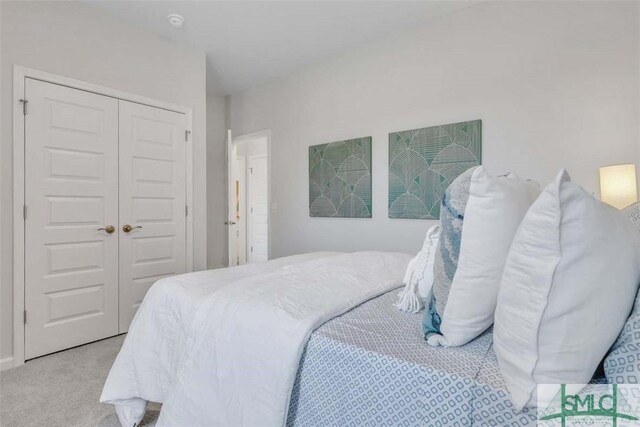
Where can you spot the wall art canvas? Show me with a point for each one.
(340, 179)
(423, 162)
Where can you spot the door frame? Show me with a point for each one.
(238, 140)
(20, 74)
(241, 163)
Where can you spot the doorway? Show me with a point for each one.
(248, 219)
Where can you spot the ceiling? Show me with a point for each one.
(250, 42)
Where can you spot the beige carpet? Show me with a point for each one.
(63, 389)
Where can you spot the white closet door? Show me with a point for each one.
(152, 201)
(258, 216)
(71, 267)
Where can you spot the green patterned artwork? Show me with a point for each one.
(340, 179)
(423, 162)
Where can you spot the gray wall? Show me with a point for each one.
(555, 83)
(75, 40)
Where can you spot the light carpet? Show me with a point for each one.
(63, 389)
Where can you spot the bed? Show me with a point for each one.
(216, 348)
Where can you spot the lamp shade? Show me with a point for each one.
(618, 185)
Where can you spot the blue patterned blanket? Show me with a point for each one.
(371, 366)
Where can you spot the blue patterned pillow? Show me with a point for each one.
(454, 204)
(622, 364)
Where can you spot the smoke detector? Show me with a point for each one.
(175, 20)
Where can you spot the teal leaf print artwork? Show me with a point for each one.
(423, 162)
(340, 179)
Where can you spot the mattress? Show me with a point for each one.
(371, 366)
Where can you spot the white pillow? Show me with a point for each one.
(494, 211)
(567, 289)
(418, 278)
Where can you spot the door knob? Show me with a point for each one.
(109, 229)
(229, 223)
(128, 228)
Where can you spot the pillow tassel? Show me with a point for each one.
(408, 299)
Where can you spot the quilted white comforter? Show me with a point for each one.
(222, 347)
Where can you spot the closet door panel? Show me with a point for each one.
(71, 193)
(152, 201)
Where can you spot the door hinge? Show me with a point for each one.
(250, 170)
(186, 135)
(24, 211)
(25, 317)
(24, 106)
(251, 210)
(186, 210)
(251, 249)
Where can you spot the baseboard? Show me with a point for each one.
(6, 363)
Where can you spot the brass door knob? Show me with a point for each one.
(128, 228)
(109, 229)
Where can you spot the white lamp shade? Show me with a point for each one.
(618, 185)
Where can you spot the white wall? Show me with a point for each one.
(217, 125)
(75, 40)
(253, 147)
(555, 83)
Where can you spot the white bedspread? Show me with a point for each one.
(231, 356)
(146, 365)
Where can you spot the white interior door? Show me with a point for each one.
(240, 209)
(152, 201)
(258, 229)
(71, 196)
(232, 229)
